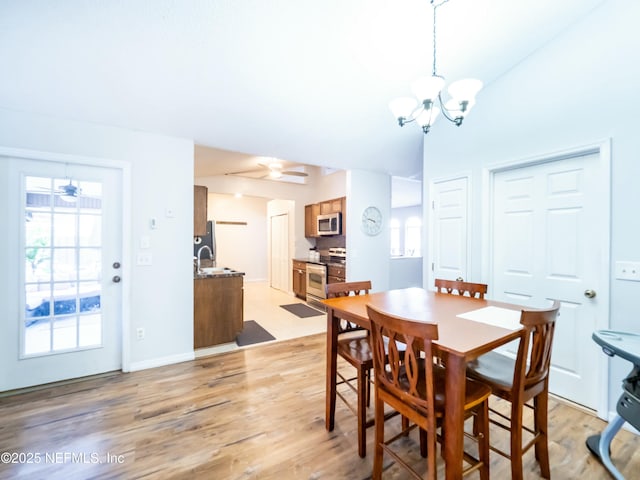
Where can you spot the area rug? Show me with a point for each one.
(302, 310)
(253, 333)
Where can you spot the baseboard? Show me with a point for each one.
(161, 361)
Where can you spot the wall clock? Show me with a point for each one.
(371, 221)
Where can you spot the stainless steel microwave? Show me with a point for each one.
(330, 224)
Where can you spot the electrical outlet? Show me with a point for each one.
(144, 258)
(140, 333)
(628, 271)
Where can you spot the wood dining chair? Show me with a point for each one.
(519, 381)
(353, 346)
(461, 287)
(409, 381)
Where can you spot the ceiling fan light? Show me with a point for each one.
(427, 88)
(403, 107)
(428, 117)
(465, 89)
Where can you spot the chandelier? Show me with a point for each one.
(425, 108)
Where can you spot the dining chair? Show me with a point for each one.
(461, 287)
(353, 346)
(520, 380)
(409, 381)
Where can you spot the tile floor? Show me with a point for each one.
(262, 304)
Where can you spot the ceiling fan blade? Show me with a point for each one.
(295, 173)
(242, 172)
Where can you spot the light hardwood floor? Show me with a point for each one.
(254, 413)
(262, 304)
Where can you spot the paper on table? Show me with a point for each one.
(496, 316)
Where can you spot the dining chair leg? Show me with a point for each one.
(362, 412)
(368, 388)
(379, 439)
(481, 431)
(516, 441)
(541, 406)
(424, 443)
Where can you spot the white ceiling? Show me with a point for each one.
(305, 81)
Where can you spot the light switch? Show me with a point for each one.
(628, 271)
(145, 241)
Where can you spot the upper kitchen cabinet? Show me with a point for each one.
(199, 210)
(331, 206)
(311, 213)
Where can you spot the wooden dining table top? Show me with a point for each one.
(456, 335)
(460, 340)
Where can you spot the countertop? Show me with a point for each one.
(209, 272)
(323, 261)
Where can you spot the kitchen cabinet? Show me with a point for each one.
(336, 274)
(311, 213)
(217, 310)
(300, 279)
(199, 210)
(331, 206)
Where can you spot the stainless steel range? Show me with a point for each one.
(316, 283)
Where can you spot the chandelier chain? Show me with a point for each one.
(435, 7)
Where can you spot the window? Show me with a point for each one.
(394, 227)
(406, 241)
(413, 237)
(62, 265)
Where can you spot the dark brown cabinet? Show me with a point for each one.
(300, 279)
(199, 210)
(311, 212)
(336, 274)
(217, 311)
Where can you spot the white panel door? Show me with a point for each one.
(547, 245)
(280, 252)
(70, 244)
(450, 218)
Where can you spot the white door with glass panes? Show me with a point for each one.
(70, 313)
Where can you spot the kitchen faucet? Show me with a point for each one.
(210, 256)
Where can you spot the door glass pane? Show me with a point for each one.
(63, 228)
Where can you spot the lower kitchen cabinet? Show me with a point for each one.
(336, 274)
(300, 279)
(218, 310)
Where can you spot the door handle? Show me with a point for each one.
(589, 293)
(116, 279)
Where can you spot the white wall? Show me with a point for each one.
(368, 256)
(160, 295)
(240, 246)
(578, 90)
(321, 187)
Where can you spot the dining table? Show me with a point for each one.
(467, 328)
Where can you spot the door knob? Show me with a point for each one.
(116, 264)
(589, 293)
(116, 279)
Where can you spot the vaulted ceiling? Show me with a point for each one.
(305, 81)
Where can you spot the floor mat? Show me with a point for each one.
(302, 310)
(253, 333)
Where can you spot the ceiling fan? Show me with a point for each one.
(69, 192)
(274, 169)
